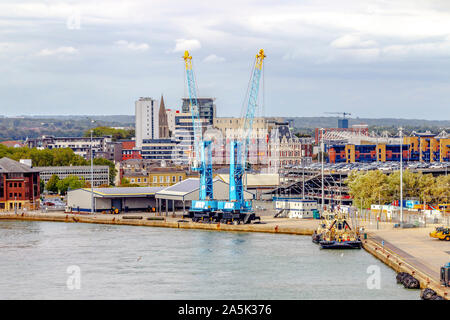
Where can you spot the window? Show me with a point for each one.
(167, 178)
(161, 179)
(155, 179)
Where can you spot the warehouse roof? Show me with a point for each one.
(70, 168)
(188, 189)
(124, 192)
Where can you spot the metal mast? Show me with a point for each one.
(201, 161)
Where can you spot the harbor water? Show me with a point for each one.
(52, 260)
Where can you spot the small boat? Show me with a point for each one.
(339, 235)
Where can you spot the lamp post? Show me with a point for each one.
(322, 151)
(303, 174)
(401, 177)
(92, 173)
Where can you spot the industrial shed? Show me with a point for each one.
(124, 199)
(181, 194)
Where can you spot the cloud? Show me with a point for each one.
(186, 44)
(61, 51)
(352, 41)
(212, 58)
(132, 45)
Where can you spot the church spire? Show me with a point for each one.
(163, 124)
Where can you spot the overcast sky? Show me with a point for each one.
(373, 58)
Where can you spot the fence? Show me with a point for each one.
(382, 219)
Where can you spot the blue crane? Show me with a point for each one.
(202, 156)
(239, 150)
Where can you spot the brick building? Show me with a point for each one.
(19, 185)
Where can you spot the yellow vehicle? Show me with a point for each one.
(441, 233)
(444, 207)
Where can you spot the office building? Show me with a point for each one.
(101, 146)
(207, 108)
(159, 149)
(101, 173)
(147, 120)
(184, 135)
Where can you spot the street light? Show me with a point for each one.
(401, 177)
(92, 173)
(322, 148)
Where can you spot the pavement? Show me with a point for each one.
(416, 247)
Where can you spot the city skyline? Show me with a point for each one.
(370, 58)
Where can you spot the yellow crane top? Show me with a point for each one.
(187, 60)
(259, 59)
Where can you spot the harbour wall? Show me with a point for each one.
(388, 257)
(166, 223)
(397, 263)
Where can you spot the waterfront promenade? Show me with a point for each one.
(410, 250)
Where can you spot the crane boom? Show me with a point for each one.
(251, 104)
(202, 159)
(239, 149)
(194, 108)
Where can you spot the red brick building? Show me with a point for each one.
(19, 185)
(129, 150)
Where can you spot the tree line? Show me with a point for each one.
(54, 158)
(375, 187)
(116, 134)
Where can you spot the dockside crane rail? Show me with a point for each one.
(202, 158)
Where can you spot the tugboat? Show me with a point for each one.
(339, 235)
(328, 218)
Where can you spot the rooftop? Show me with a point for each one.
(8, 165)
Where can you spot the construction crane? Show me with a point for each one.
(203, 208)
(343, 114)
(238, 210)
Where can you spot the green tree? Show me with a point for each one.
(52, 184)
(116, 134)
(70, 182)
(367, 188)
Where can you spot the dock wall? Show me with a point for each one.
(396, 262)
(118, 220)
